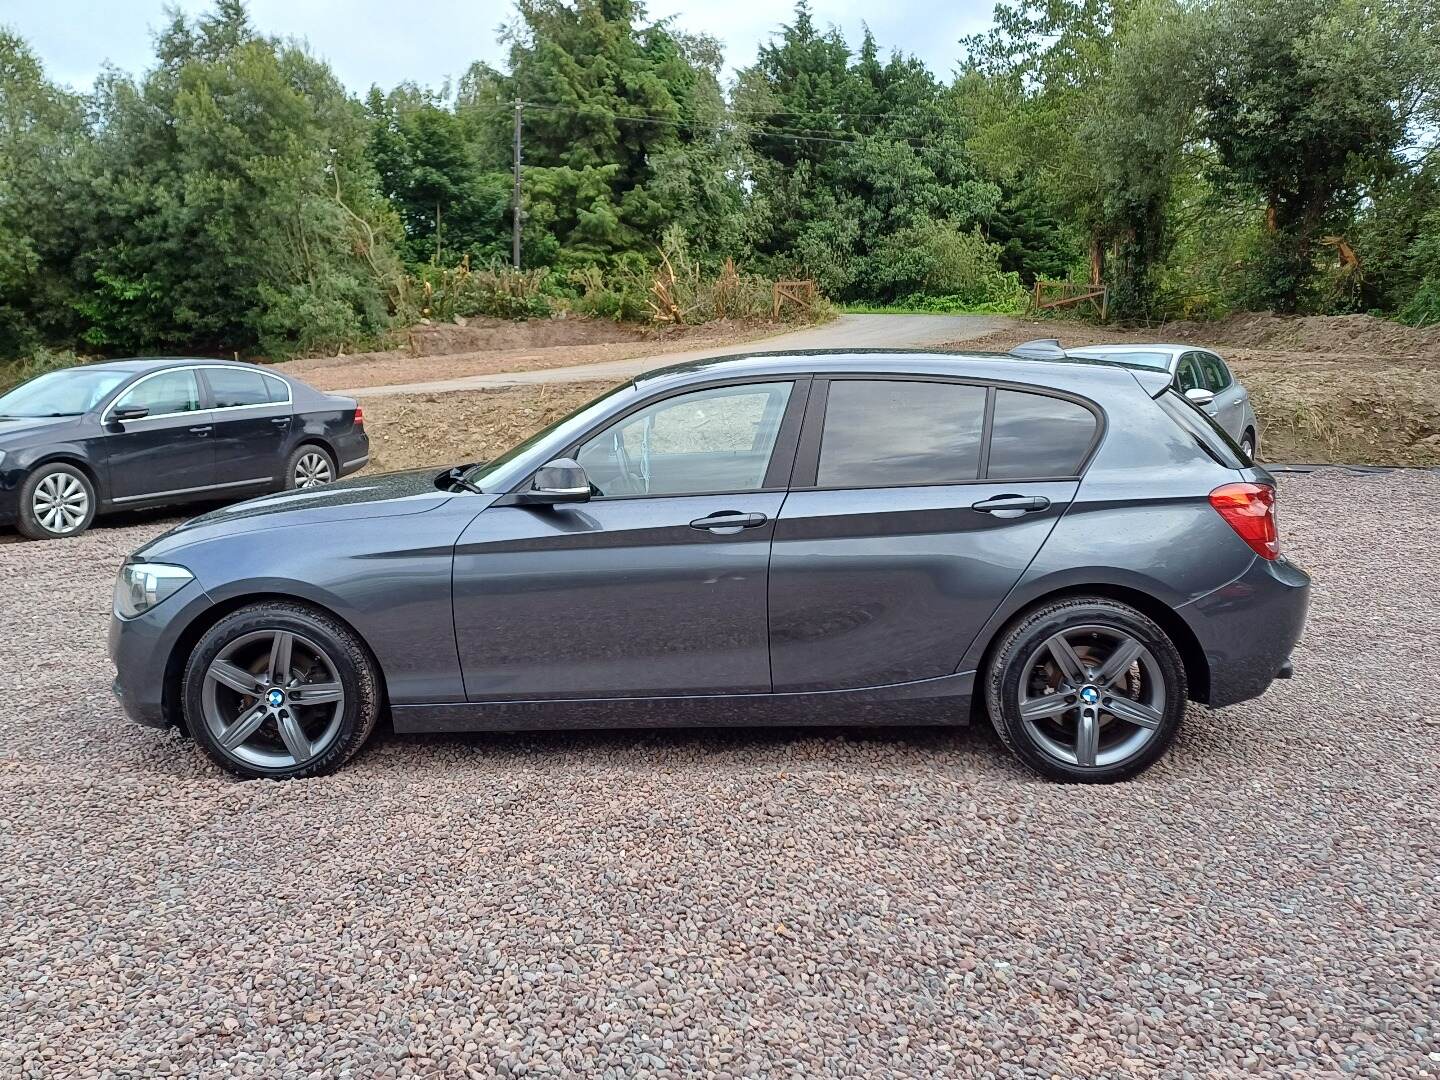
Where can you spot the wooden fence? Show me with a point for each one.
(1053, 294)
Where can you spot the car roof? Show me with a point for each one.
(972, 365)
(141, 364)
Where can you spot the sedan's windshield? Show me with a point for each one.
(71, 392)
(484, 475)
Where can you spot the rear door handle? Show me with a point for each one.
(280, 420)
(1011, 506)
(729, 521)
(204, 429)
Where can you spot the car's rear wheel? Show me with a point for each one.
(1247, 444)
(56, 500)
(1086, 690)
(281, 690)
(309, 467)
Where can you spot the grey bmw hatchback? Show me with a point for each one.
(1067, 547)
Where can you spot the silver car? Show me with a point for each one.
(1201, 376)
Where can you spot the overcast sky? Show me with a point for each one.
(386, 42)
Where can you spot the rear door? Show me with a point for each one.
(656, 586)
(917, 505)
(170, 450)
(251, 413)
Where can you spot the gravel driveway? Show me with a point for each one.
(738, 903)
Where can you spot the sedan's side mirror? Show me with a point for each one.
(560, 481)
(1198, 396)
(129, 412)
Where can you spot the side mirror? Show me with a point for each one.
(129, 412)
(1197, 396)
(560, 481)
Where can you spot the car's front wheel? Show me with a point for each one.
(1086, 690)
(281, 690)
(56, 500)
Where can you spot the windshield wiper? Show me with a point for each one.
(456, 477)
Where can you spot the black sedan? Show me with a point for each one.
(152, 432)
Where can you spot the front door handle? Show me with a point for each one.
(1011, 506)
(729, 521)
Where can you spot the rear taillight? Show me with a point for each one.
(359, 416)
(1250, 510)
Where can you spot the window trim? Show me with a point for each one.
(210, 390)
(201, 389)
(206, 393)
(807, 462)
(778, 472)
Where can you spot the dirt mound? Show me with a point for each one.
(1331, 334)
(486, 335)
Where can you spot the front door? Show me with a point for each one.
(167, 452)
(911, 518)
(252, 425)
(657, 585)
(1228, 408)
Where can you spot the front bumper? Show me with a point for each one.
(147, 662)
(1248, 629)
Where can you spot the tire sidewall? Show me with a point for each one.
(352, 663)
(1022, 638)
(293, 462)
(28, 525)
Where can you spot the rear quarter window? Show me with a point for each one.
(1035, 436)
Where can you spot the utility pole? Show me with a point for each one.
(515, 199)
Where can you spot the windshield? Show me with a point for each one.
(1158, 360)
(71, 392)
(482, 476)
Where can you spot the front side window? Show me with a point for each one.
(170, 392)
(236, 386)
(1189, 375)
(1217, 375)
(885, 433)
(707, 442)
(1034, 436)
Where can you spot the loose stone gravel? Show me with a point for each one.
(742, 904)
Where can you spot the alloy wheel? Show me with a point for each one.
(273, 699)
(313, 470)
(60, 503)
(1092, 696)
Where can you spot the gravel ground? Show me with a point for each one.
(745, 904)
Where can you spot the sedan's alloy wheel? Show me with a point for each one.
(60, 503)
(312, 470)
(273, 699)
(1092, 696)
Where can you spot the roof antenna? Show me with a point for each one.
(1040, 349)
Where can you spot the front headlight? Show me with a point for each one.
(2, 457)
(142, 585)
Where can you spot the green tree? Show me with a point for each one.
(45, 152)
(1306, 103)
(234, 200)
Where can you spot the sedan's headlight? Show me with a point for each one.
(142, 585)
(2, 457)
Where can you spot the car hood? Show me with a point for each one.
(22, 431)
(384, 495)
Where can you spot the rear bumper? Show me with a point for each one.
(1248, 629)
(353, 451)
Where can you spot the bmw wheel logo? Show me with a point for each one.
(1089, 695)
(276, 698)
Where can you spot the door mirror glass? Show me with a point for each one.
(559, 481)
(1199, 396)
(129, 412)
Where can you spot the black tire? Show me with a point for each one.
(30, 524)
(351, 661)
(1250, 444)
(1022, 646)
(301, 453)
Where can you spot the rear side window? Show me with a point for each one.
(279, 390)
(1034, 436)
(881, 433)
(236, 386)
